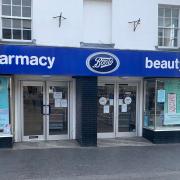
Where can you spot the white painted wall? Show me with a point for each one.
(98, 21)
(46, 29)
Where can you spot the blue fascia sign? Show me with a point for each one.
(37, 60)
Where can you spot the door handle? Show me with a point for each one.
(43, 109)
(48, 110)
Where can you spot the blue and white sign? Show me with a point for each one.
(66, 61)
(102, 63)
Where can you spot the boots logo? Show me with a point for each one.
(102, 62)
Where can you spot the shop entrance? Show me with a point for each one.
(117, 110)
(44, 110)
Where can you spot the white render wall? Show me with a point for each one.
(97, 21)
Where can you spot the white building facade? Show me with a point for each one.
(88, 69)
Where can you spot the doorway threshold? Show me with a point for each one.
(46, 144)
(123, 141)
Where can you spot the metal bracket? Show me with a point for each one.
(135, 24)
(61, 17)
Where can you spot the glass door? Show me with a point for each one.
(127, 102)
(33, 111)
(105, 117)
(57, 117)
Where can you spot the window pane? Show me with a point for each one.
(149, 114)
(16, 23)
(6, 23)
(175, 43)
(167, 33)
(167, 12)
(6, 1)
(16, 2)
(16, 10)
(167, 22)
(26, 2)
(160, 32)
(6, 10)
(26, 12)
(16, 34)
(175, 13)
(175, 22)
(26, 24)
(176, 33)
(167, 108)
(160, 22)
(26, 34)
(160, 41)
(161, 12)
(167, 42)
(7, 33)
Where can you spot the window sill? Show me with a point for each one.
(167, 48)
(18, 42)
(5, 135)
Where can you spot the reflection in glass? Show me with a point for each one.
(58, 101)
(105, 118)
(127, 108)
(33, 118)
(149, 114)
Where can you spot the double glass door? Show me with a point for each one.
(44, 110)
(117, 106)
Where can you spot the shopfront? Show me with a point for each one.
(54, 93)
(118, 107)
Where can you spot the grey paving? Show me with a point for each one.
(115, 142)
(161, 162)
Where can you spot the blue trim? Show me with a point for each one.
(72, 61)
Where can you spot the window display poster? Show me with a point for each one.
(57, 102)
(106, 109)
(161, 97)
(57, 95)
(124, 108)
(4, 104)
(171, 119)
(172, 103)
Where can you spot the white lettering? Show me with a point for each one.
(163, 64)
(102, 62)
(42, 61)
(51, 62)
(3, 59)
(149, 63)
(27, 60)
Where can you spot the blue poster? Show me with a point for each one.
(4, 104)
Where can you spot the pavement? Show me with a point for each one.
(136, 161)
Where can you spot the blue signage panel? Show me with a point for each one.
(87, 62)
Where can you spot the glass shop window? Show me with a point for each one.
(149, 113)
(162, 104)
(5, 123)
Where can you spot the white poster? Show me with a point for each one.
(102, 101)
(111, 102)
(64, 103)
(128, 100)
(57, 95)
(106, 109)
(171, 103)
(124, 108)
(161, 97)
(120, 102)
(57, 102)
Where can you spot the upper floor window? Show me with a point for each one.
(168, 26)
(16, 19)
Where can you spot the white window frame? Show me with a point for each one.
(15, 17)
(163, 27)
